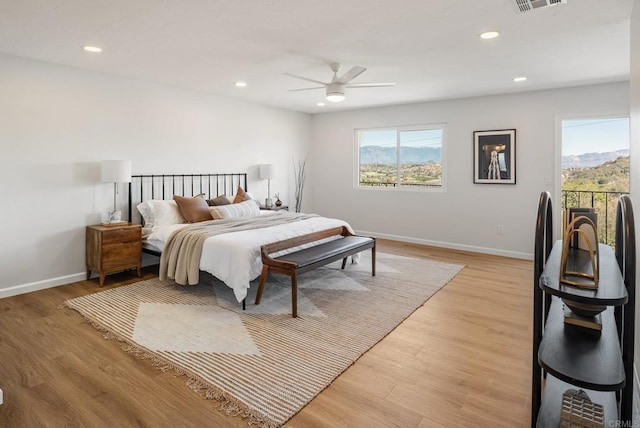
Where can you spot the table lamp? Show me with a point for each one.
(116, 171)
(266, 173)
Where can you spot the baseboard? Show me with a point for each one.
(151, 260)
(41, 285)
(449, 245)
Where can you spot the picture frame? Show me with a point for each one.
(494, 157)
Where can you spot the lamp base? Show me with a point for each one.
(115, 217)
(268, 202)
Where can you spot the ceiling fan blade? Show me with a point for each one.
(371, 85)
(306, 78)
(306, 89)
(351, 74)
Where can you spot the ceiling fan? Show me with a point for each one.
(336, 88)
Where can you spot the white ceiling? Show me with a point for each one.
(430, 48)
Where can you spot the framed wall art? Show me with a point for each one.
(494, 157)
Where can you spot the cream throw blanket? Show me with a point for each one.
(180, 259)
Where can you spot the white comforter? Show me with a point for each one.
(234, 257)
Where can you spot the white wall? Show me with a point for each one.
(57, 124)
(466, 215)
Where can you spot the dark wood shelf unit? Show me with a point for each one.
(582, 360)
(549, 415)
(566, 357)
(611, 290)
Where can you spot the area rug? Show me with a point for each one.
(261, 363)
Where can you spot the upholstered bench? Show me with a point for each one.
(310, 258)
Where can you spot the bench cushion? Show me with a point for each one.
(327, 250)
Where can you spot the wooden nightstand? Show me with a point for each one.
(275, 208)
(113, 249)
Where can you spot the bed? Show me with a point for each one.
(232, 256)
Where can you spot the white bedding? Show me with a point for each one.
(234, 257)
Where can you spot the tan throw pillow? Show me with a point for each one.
(220, 200)
(241, 196)
(193, 209)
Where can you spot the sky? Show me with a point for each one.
(594, 135)
(387, 138)
(578, 136)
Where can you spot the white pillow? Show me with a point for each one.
(166, 212)
(146, 211)
(160, 213)
(241, 209)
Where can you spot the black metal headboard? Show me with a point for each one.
(164, 186)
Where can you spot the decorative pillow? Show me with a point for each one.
(241, 209)
(220, 200)
(165, 212)
(146, 211)
(250, 196)
(193, 209)
(241, 196)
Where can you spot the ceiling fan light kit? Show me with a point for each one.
(335, 97)
(335, 90)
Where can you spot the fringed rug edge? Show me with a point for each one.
(228, 404)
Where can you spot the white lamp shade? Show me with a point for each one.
(266, 172)
(116, 171)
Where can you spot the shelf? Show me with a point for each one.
(549, 415)
(578, 358)
(611, 290)
(566, 357)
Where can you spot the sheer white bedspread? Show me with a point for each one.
(234, 257)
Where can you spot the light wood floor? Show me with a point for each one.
(463, 359)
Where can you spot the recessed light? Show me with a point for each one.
(519, 79)
(489, 35)
(320, 104)
(92, 49)
(240, 84)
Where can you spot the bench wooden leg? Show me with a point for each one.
(263, 279)
(344, 262)
(294, 295)
(373, 260)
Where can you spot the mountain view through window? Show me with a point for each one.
(595, 168)
(400, 157)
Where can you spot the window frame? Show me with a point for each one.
(399, 187)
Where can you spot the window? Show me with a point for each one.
(595, 168)
(407, 157)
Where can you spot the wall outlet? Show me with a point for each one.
(547, 180)
(500, 229)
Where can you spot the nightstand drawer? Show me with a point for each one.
(121, 255)
(122, 235)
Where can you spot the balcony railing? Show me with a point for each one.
(605, 204)
(379, 184)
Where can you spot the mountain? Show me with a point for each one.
(611, 176)
(409, 155)
(588, 160)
